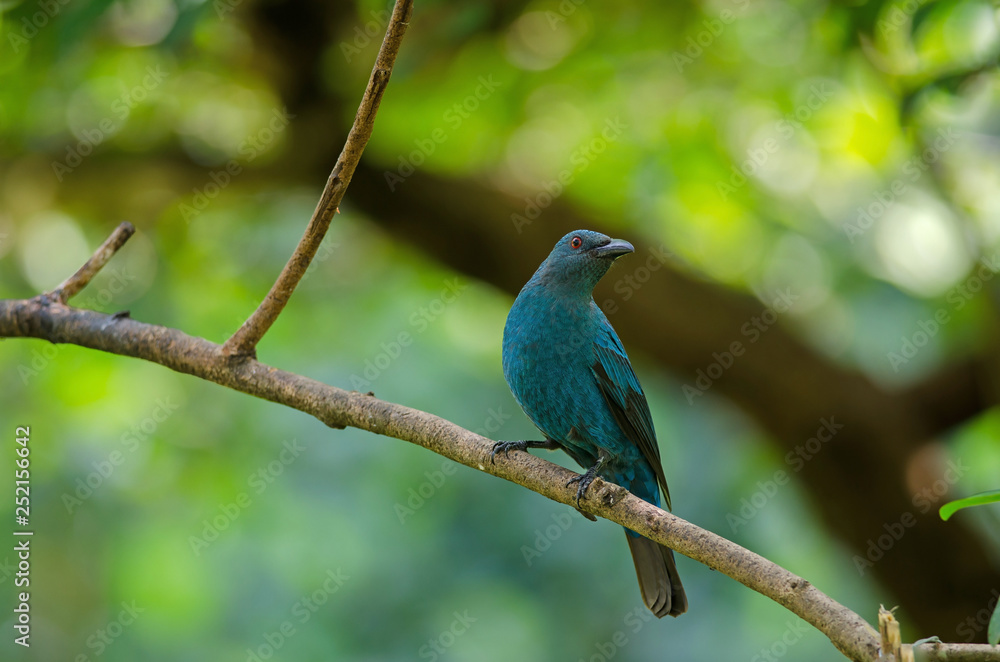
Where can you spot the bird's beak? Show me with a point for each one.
(614, 249)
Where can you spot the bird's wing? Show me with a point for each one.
(620, 387)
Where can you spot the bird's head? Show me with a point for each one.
(580, 259)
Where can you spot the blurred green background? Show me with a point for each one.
(842, 153)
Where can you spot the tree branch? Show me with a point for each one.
(244, 341)
(72, 285)
(58, 323)
(338, 408)
(939, 652)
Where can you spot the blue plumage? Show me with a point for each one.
(570, 374)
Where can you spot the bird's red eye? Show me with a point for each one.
(576, 242)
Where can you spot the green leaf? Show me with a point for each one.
(993, 632)
(949, 509)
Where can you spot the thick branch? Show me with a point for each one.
(244, 341)
(338, 408)
(58, 323)
(72, 285)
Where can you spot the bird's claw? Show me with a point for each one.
(505, 447)
(584, 480)
(522, 445)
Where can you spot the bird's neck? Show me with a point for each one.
(556, 284)
(558, 295)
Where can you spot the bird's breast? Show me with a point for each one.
(548, 351)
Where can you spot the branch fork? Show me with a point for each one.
(243, 343)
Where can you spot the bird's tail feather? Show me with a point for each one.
(658, 579)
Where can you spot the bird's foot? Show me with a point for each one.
(507, 446)
(584, 480)
(523, 445)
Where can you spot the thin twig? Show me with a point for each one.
(72, 285)
(244, 341)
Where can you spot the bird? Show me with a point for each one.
(569, 372)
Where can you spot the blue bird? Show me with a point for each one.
(570, 374)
